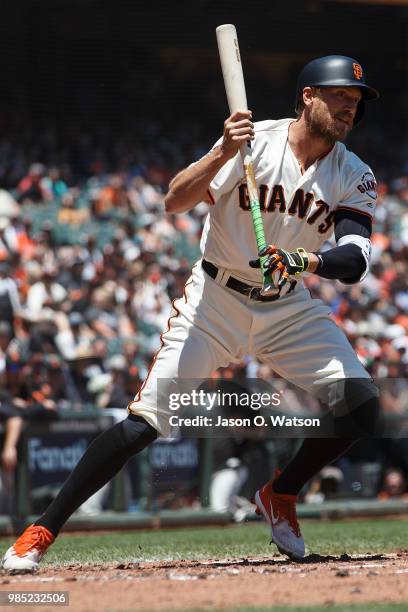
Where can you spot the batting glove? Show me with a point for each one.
(288, 263)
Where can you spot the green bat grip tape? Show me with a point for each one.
(260, 238)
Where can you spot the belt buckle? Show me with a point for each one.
(254, 293)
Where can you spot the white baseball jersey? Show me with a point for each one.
(298, 210)
(212, 325)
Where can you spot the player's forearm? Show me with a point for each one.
(345, 263)
(13, 429)
(189, 187)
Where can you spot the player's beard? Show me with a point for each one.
(322, 124)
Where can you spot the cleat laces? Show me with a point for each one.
(35, 536)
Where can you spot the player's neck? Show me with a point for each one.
(306, 147)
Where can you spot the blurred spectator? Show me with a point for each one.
(5, 249)
(31, 187)
(47, 292)
(9, 297)
(6, 335)
(18, 237)
(12, 424)
(53, 184)
(72, 333)
(69, 213)
(101, 315)
(326, 485)
(143, 196)
(394, 485)
(226, 484)
(82, 368)
(115, 393)
(111, 196)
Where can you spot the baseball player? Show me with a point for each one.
(310, 186)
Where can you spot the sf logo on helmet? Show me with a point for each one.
(358, 71)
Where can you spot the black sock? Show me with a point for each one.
(312, 456)
(315, 453)
(102, 460)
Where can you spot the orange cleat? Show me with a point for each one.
(279, 510)
(26, 553)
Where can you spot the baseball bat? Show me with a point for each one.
(231, 65)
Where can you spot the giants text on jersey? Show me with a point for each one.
(298, 209)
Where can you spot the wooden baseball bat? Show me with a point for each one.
(231, 65)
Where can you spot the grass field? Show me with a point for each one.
(324, 538)
(230, 569)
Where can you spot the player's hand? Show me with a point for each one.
(288, 263)
(238, 128)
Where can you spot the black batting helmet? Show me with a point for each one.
(336, 70)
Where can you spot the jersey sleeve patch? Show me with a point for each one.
(368, 186)
(360, 193)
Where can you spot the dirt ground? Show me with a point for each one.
(223, 583)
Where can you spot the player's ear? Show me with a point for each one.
(308, 95)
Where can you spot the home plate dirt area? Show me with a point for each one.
(223, 583)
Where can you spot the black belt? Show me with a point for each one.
(233, 283)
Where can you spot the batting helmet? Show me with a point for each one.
(336, 70)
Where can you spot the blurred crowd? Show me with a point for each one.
(82, 311)
(374, 313)
(90, 262)
(88, 270)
